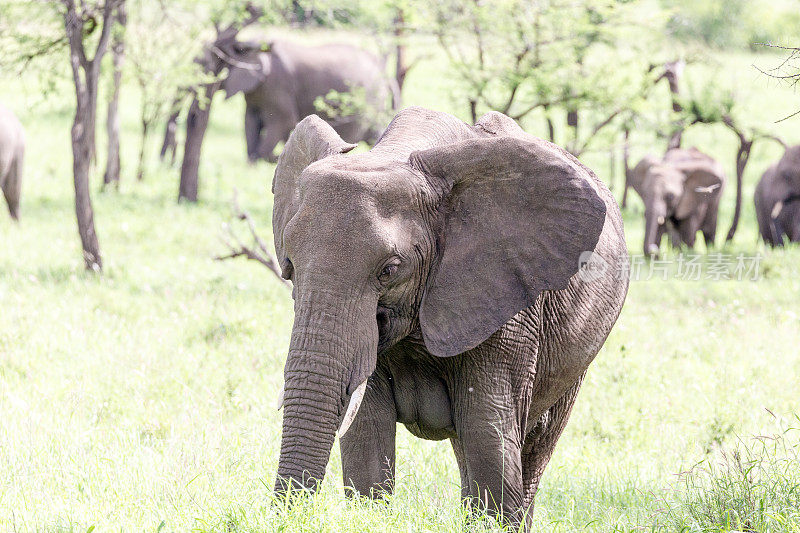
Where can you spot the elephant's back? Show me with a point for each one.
(337, 67)
(341, 68)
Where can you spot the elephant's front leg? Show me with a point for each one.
(368, 447)
(488, 446)
(252, 132)
(492, 470)
(277, 124)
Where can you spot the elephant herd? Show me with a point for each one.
(437, 278)
(681, 193)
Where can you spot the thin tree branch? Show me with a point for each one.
(74, 30)
(109, 10)
(258, 251)
(598, 127)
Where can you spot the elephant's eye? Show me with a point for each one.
(388, 271)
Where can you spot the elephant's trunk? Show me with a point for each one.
(332, 352)
(654, 219)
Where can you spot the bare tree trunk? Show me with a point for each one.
(142, 148)
(551, 130)
(111, 175)
(572, 122)
(672, 72)
(626, 165)
(170, 143)
(612, 168)
(81, 152)
(401, 68)
(742, 158)
(473, 110)
(196, 124)
(85, 74)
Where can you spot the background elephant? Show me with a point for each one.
(777, 200)
(282, 82)
(12, 152)
(681, 194)
(435, 285)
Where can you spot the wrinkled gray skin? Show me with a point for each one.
(777, 200)
(12, 152)
(681, 194)
(440, 267)
(281, 84)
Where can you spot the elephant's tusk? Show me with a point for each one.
(352, 408)
(279, 403)
(661, 220)
(709, 189)
(776, 210)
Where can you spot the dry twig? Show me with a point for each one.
(258, 251)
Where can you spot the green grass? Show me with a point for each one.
(144, 399)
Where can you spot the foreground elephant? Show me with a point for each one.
(777, 200)
(282, 83)
(681, 194)
(12, 152)
(435, 285)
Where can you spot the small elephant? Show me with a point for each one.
(456, 279)
(777, 200)
(681, 194)
(284, 82)
(12, 152)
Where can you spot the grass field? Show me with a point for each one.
(143, 399)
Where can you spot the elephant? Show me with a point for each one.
(681, 194)
(456, 279)
(283, 82)
(777, 200)
(12, 153)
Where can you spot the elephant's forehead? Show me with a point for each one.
(353, 210)
(384, 191)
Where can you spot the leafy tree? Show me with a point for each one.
(157, 66)
(726, 24)
(81, 31)
(518, 56)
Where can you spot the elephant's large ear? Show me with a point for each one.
(518, 214)
(250, 69)
(312, 139)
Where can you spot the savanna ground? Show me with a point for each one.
(144, 399)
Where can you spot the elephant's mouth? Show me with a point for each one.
(394, 325)
(384, 328)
